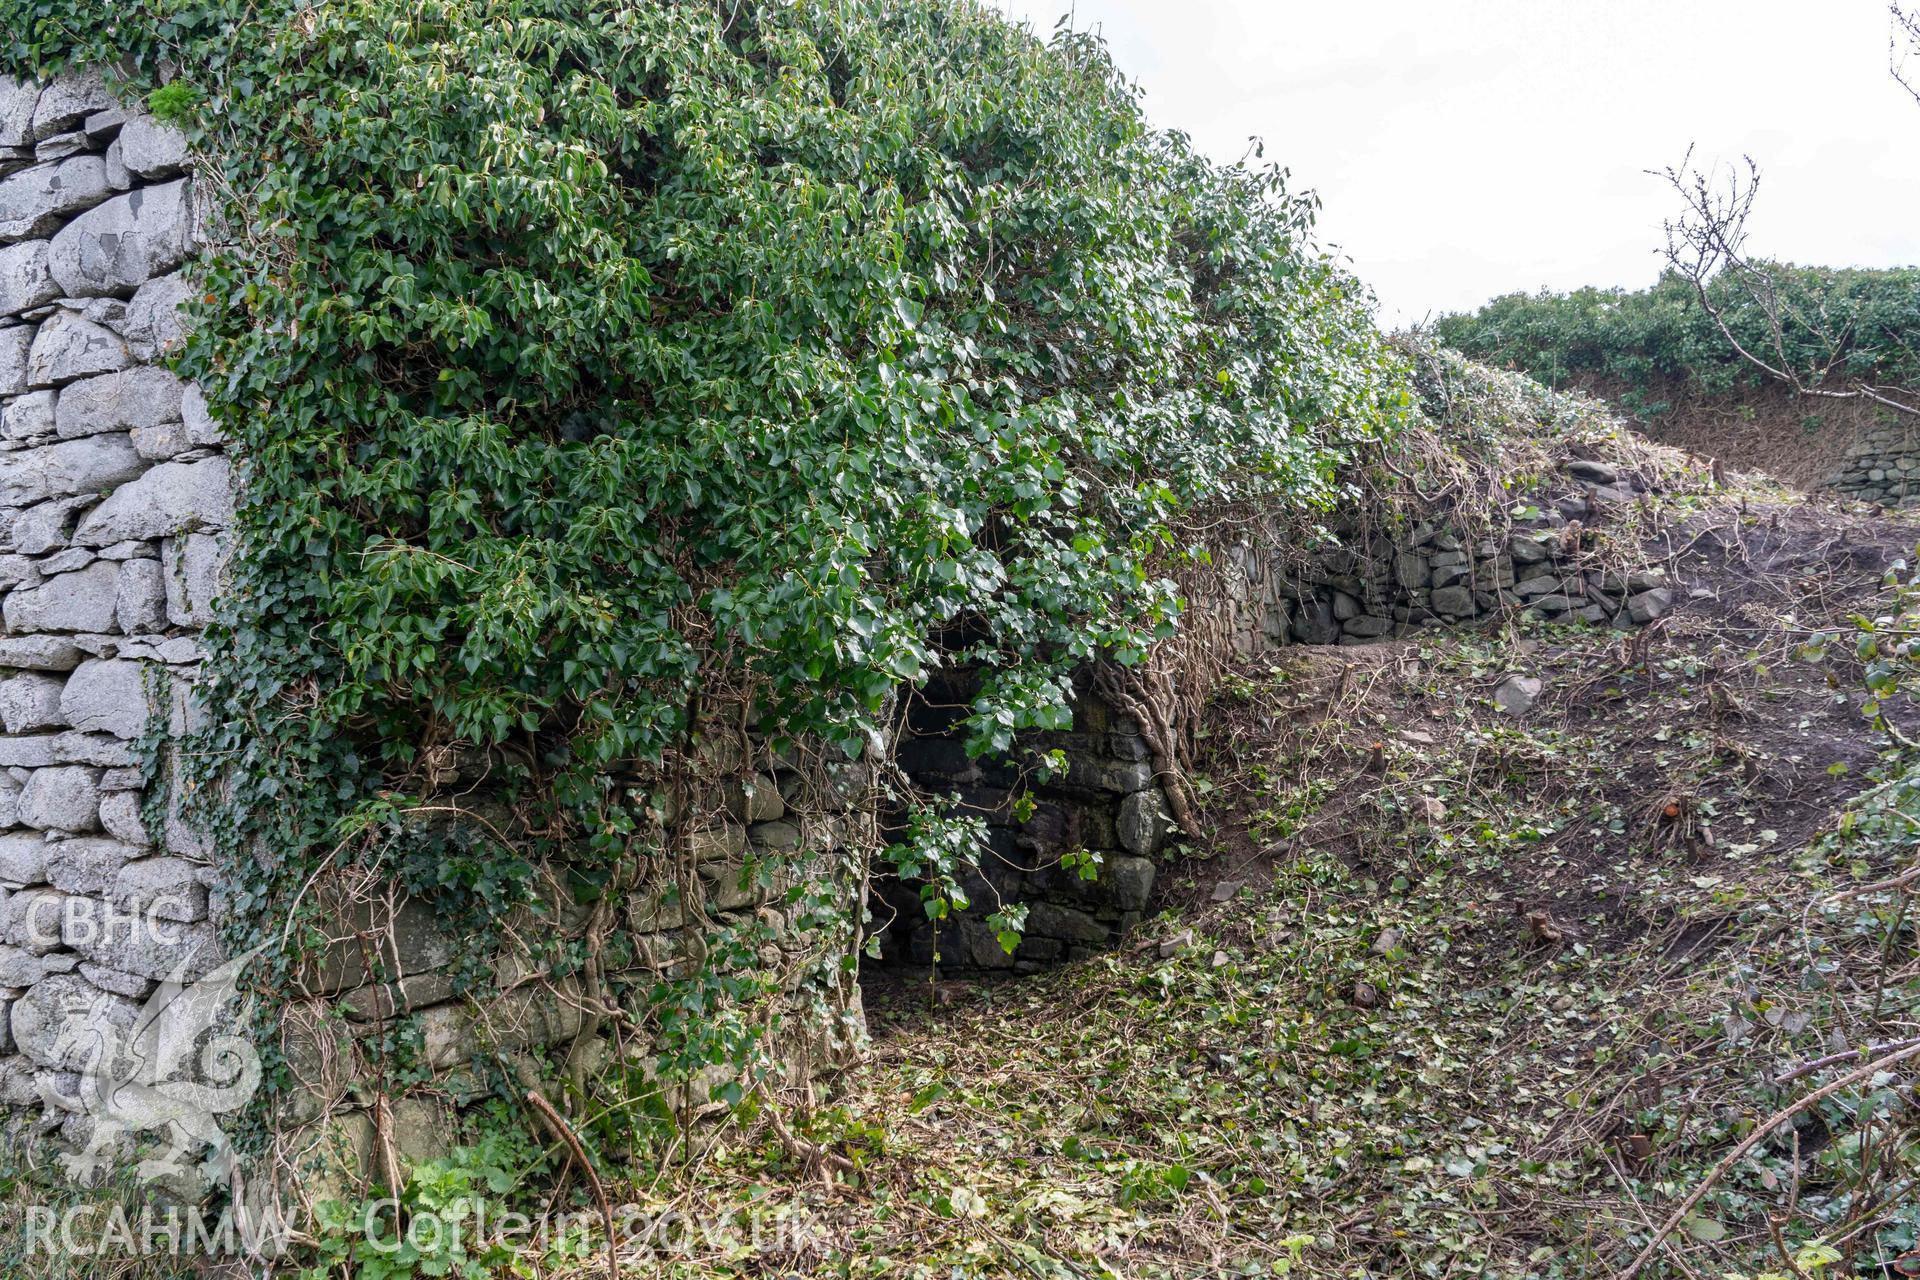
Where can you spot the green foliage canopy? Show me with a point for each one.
(590, 357)
(1651, 340)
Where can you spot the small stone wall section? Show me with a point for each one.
(1363, 589)
(115, 495)
(748, 837)
(1882, 466)
(1106, 801)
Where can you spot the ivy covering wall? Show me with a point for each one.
(599, 367)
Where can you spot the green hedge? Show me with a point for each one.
(592, 362)
(1649, 340)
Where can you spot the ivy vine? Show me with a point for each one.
(596, 363)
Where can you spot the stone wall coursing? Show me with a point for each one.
(115, 496)
(1882, 466)
(1363, 589)
(760, 826)
(1375, 585)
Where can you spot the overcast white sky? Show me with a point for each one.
(1468, 148)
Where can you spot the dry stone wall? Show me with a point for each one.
(116, 501)
(1374, 584)
(391, 972)
(115, 497)
(1368, 586)
(1883, 465)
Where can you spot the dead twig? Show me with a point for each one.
(1752, 1140)
(565, 1133)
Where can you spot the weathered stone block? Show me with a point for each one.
(60, 1021)
(120, 816)
(46, 526)
(23, 860)
(151, 150)
(375, 1003)
(173, 497)
(118, 177)
(1526, 550)
(526, 1018)
(105, 123)
(68, 346)
(195, 567)
(1366, 627)
(1126, 881)
(117, 247)
(32, 752)
(1068, 924)
(17, 101)
(62, 798)
(1646, 580)
(1410, 570)
(723, 842)
(64, 562)
(36, 919)
(92, 464)
(16, 345)
(162, 441)
(107, 936)
(168, 888)
(187, 712)
(1315, 623)
(83, 601)
(757, 799)
(130, 985)
(774, 836)
(408, 941)
(102, 750)
(1516, 695)
(202, 430)
(66, 101)
(88, 865)
(1545, 584)
(36, 200)
(155, 323)
(1649, 605)
(143, 597)
(39, 653)
(1144, 823)
(179, 834)
(20, 967)
(25, 280)
(143, 396)
(27, 416)
(30, 702)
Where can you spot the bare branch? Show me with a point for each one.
(1902, 44)
(1706, 245)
